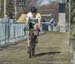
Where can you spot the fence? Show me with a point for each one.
(11, 32)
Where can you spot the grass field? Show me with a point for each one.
(53, 48)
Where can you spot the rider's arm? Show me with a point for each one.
(39, 21)
(26, 21)
(27, 17)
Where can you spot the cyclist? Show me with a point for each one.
(31, 15)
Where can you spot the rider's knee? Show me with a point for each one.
(36, 26)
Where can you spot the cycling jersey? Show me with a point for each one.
(32, 21)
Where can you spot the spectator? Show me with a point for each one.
(52, 23)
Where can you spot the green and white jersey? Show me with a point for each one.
(31, 20)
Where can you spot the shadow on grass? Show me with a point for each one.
(46, 53)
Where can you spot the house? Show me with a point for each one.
(62, 17)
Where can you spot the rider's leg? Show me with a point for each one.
(29, 43)
(28, 39)
(35, 39)
(36, 33)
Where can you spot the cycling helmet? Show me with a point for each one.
(33, 9)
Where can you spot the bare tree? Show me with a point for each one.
(30, 3)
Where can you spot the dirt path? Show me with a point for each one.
(53, 48)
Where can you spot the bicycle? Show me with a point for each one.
(32, 37)
(34, 41)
